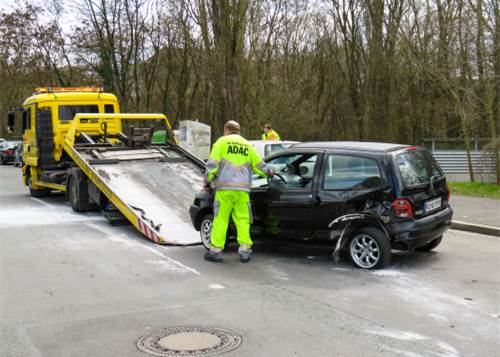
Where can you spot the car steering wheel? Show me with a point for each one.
(281, 178)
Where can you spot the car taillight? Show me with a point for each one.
(402, 208)
(9, 152)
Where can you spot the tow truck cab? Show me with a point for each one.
(46, 118)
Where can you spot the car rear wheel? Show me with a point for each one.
(369, 248)
(431, 245)
(206, 230)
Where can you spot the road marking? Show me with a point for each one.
(41, 202)
(192, 270)
(216, 286)
(129, 242)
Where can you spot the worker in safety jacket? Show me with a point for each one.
(229, 172)
(270, 134)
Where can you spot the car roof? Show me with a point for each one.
(351, 145)
(273, 141)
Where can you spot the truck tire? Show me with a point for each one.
(77, 191)
(36, 192)
(369, 248)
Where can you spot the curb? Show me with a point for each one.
(476, 228)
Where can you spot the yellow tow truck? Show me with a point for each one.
(77, 141)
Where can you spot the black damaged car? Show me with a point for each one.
(366, 198)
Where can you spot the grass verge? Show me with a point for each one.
(476, 189)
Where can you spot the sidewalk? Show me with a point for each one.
(481, 215)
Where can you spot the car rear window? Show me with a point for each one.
(345, 172)
(417, 167)
(68, 112)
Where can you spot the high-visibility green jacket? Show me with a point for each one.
(231, 163)
(271, 135)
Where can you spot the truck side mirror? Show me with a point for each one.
(11, 121)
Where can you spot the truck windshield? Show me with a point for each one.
(417, 167)
(68, 112)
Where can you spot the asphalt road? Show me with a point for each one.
(72, 285)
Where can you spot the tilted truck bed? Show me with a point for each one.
(152, 187)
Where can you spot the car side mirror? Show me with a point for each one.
(373, 182)
(11, 121)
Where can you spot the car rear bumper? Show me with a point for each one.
(8, 158)
(411, 234)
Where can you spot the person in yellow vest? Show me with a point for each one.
(270, 134)
(229, 172)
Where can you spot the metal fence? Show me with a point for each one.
(455, 161)
(451, 155)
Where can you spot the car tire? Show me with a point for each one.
(206, 230)
(431, 245)
(3, 161)
(369, 248)
(37, 192)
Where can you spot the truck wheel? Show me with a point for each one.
(369, 248)
(77, 191)
(431, 245)
(206, 230)
(73, 194)
(37, 192)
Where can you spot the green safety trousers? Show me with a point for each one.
(235, 204)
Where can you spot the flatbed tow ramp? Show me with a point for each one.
(151, 185)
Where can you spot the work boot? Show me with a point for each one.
(244, 252)
(213, 256)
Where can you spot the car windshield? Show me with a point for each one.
(417, 167)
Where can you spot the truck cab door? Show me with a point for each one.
(286, 206)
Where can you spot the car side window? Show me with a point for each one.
(296, 169)
(345, 172)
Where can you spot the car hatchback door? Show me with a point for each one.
(422, 181)
(285, 207)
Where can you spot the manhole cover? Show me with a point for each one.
(188, 341)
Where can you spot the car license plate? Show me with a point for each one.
(432, 205)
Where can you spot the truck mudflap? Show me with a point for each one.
(152, 186)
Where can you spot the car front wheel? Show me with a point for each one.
(206, 230)
(369, 248)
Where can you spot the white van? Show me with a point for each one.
(266, 147)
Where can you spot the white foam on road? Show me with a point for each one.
(399, 335)
(47, 214)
